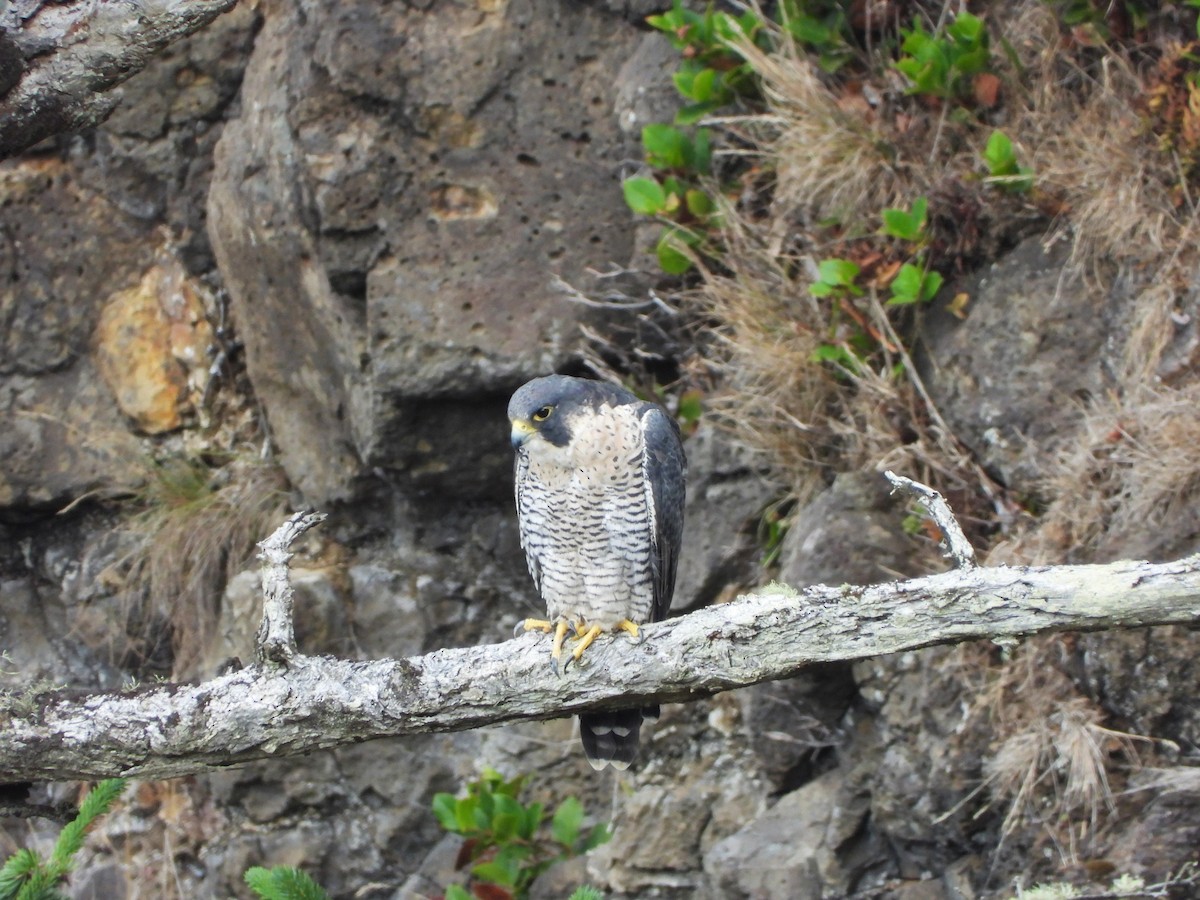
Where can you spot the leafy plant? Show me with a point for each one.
(836, 278)
(283, 883)
(907, 224)
(713, 74)
(943, 63)
(914, 284)
(680, 159)
(1092, 22)
(27, 876)
(822, 27)
(507, 843)
(1003, 169)
(669, 148)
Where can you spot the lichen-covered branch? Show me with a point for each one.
(57, 59)
(317, 702)
(276, 637)
(954, 543)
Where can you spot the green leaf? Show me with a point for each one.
(810, 30)
(495, 873)
(505, 868)
(666, 146)
(464, 815)
(907, 225)
(999, 154)
(691, 408)
(706, 86)
(586, 892)
(444, 808)
(567, 818)
(1001, 160)
(967, 29)
(906, 285)
(838, 271)
(694, 112)
(920, 208)
(671, 259)
(932, 284)
(673, 22)
(685, 76)
(457, 892)
(913, 284)
(601, 834)
(645, 196)
(698, 203)
(898, 223)
(531, 818)
(506, 818)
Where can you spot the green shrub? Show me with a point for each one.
(507, 844)
(283, 883)
(943, 63)
(26, 876)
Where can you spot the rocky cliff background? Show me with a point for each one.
(307, 260)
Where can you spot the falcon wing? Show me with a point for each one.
(664, 469)
(520, 471)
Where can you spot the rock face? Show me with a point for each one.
(152, 344)
(1033, 349)
(387, 198)
(404, 185)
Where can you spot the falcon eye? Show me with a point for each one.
(543, 414)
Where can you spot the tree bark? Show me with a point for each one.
(291, 703)
(57, 59)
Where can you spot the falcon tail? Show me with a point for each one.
(611, 738)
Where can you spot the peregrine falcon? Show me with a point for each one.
(600, 489)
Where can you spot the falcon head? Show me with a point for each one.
(542, 409)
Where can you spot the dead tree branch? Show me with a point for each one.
(57, 59)
(291, 703)
(954, 543)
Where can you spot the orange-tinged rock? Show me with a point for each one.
(150, 341)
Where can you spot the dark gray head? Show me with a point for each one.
(544, 406)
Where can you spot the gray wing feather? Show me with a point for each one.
(666, 472)
(520, 471)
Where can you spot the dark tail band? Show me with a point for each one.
(611, 738)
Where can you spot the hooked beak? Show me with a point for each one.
(522, 430)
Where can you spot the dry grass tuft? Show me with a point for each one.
(1086, 138)
(832, 162)
(1103, 182)
(807, 418)
(1053, 758)
(1128, 478)
(835, 165)
(200, 526)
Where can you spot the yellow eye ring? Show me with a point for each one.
(543, 414)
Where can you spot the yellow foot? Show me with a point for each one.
(630, 628)
(560, 635)
(528, 625)
(585, 641)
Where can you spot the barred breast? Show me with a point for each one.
(586, 523)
